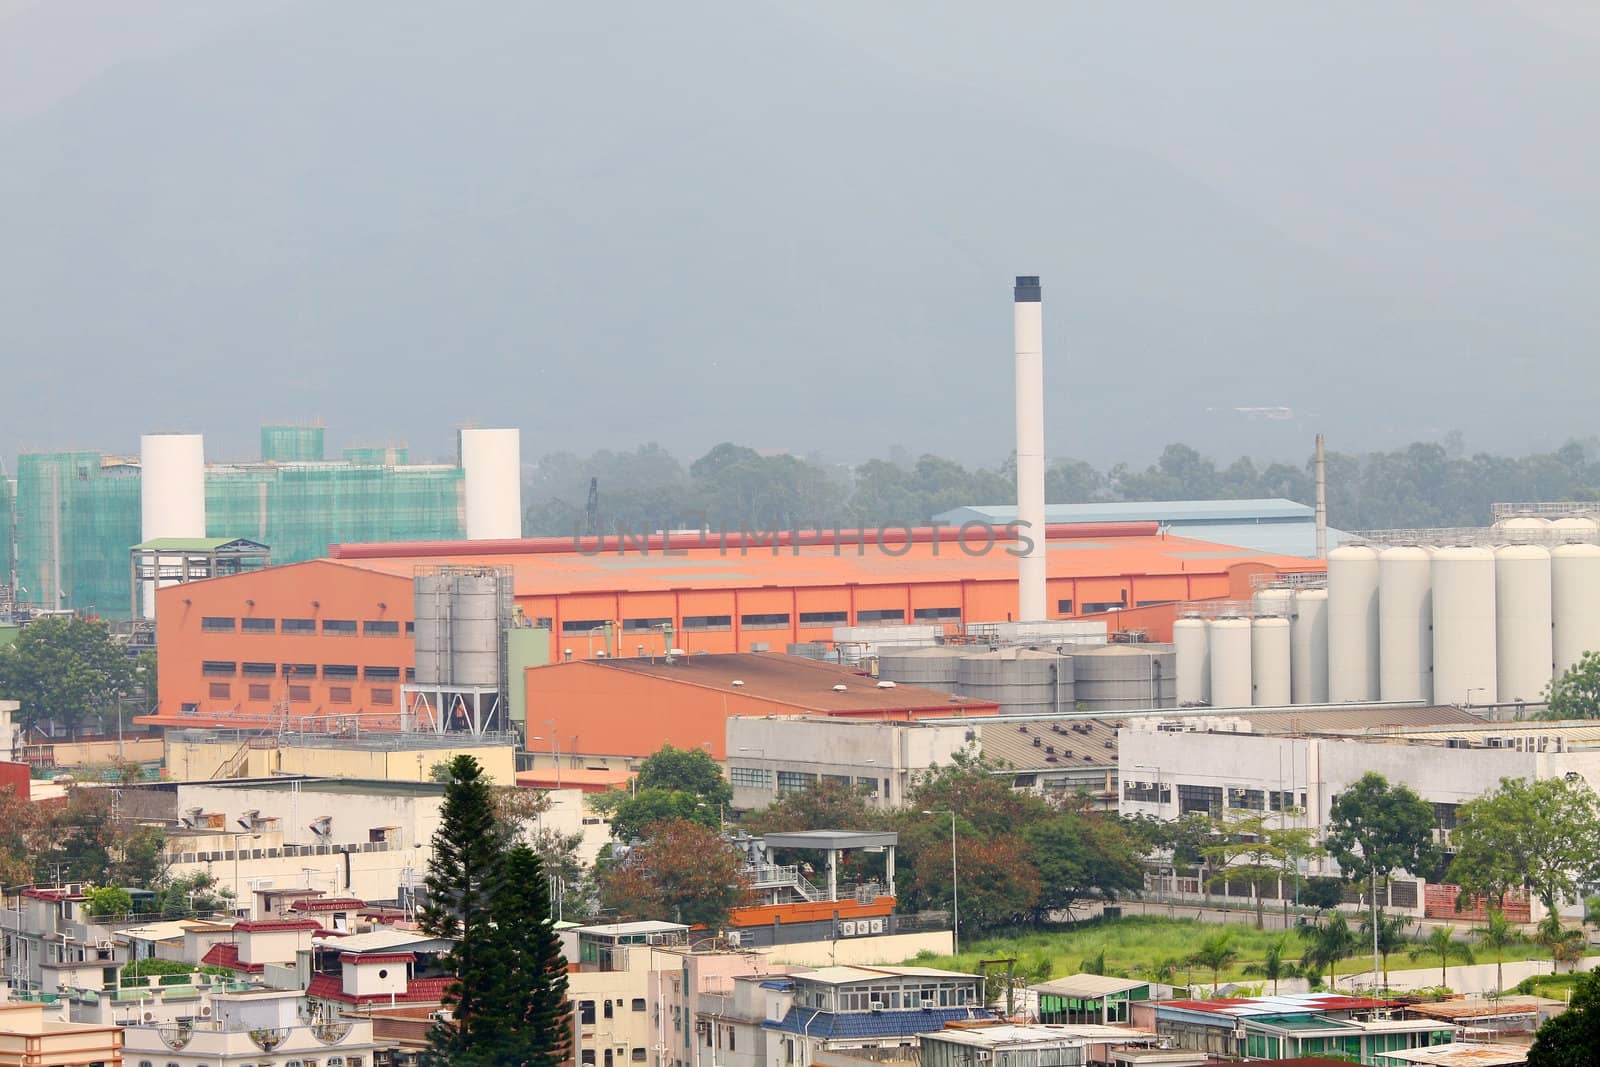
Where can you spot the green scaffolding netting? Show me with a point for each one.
(76, 519)
(291, 444)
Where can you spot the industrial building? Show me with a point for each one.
(335, 636)
(69, 519)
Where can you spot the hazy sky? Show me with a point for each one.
(794, 225)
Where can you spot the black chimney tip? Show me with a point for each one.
(1027, 290)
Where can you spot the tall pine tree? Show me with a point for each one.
(467, 850)
(526, 994)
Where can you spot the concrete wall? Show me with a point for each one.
(202, 760)
(353, 815)
(879, 751)
(865, 951)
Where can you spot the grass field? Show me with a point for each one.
(1134, 945)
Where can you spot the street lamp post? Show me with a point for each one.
(955, 881)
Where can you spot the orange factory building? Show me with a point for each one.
(332, 637)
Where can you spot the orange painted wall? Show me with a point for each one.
(315, 590)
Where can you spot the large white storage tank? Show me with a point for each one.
(1191, 642)
(1308, 647)
(1230, 662)
(491, 461)
(1521, 525)
(1574, 603)
(1353, 624)
(1270, 659)
(1405, 623)
(172, 495)
(1579, 525)
(1523, 641)
(1464, 628)
(1274, 600)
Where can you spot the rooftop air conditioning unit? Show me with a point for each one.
(927, 1004)
(876, 1005)
(205, 1011)
(734, 938)
(443, 1015)
(886, 684)
(841, 689)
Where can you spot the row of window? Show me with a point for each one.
(261, 692)
(1210, 799)
(637, 1055)
(226, 668)
(226, 624)
(586, 1009)
(771, 620)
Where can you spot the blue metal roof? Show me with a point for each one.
(829, 1025)
(780, 984)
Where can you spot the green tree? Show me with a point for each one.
(1544, 834)
(1214, 954)
(1250, 848)
(682, 870)
(673, 784)
(1391, 936)
(107, 901)
(1080, 855)
(467, 848)
(1564, 946)
(525, 1017)
(1570, 1039)
(1331, 943)
(1375, 829)
(1498, 934)
(685, 770)
(1441, 944)
(1576, 694)
(1272, 964)
(821, 805)
(64, 669)
(192, 894)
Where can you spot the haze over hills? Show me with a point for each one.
(796, 226)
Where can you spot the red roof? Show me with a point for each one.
(329, 904)
(418, 991)
(265, 925)
(226, 954)
(378, 957)
(52, 894)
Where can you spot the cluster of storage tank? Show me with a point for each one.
(1487, 622)
(1042, 680)
(1274, 655)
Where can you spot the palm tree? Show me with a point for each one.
(1215, 953)
(1391, 936)
(1272, 966)
(1499, 933)
(1332, 941)
(1442, 943)
(1566, 946)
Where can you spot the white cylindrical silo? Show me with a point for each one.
(1524, 648)
(1464, 658)
(1269, 661)
(1273, 600)
(492, 463)
(1308, 647)
(1521, 524)
(1353, 624)
(172, 495)
(1230, 662)
(1574, 603)
(1405, 623)
(1579, 526)
(1193, 647)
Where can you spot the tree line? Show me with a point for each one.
(732, 487)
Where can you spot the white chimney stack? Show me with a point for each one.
(172, 495)
(492, 463)
(1028, 319)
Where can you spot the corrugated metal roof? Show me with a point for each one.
(828, 1025)
(1464, 1054)
(1087, 986)
(1063, 744)
(1141, 511)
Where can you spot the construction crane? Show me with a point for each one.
(591, 511)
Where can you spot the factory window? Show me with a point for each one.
(383, 698)
(1147, 792)
(765, 622)
(380, 628)
(824, 618)
(1205, 799)
(339, 694)
(581, 626)
(340, 627)
(381, 674)
(299, 626)
(753, 777)
(837, 779)
(1098, 608)
(261, 670)
(259, 626)
(260, 691)
(868, 784)
(935, 614)
(217, 624)
(1280, 800)
(411, 674)
(639, 626)
(638, 1004)
(308, 670)
(881, 615)
(1149, 603)
(795, 781)
(1248, 799)
(221, 691)
(1063, 607)
(339, 670)
(411, 628)
(708, 622)
(1444, 816)
(301, 693)
(219, 668)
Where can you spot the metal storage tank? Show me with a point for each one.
(1405, 623)
(1464, 658)
(475, 630)
(1524, 523)
(1574, 603)
(1273, 600)
(1125, 677)
(1524, 646)
(431, 631)
(1308, 647)
(1230, 662)
(1269, 661)
(1023, 681)
(1353, 624)
(1580, 525)
(932, 668)
(1192, 644)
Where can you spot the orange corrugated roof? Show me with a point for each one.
(714, 567)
